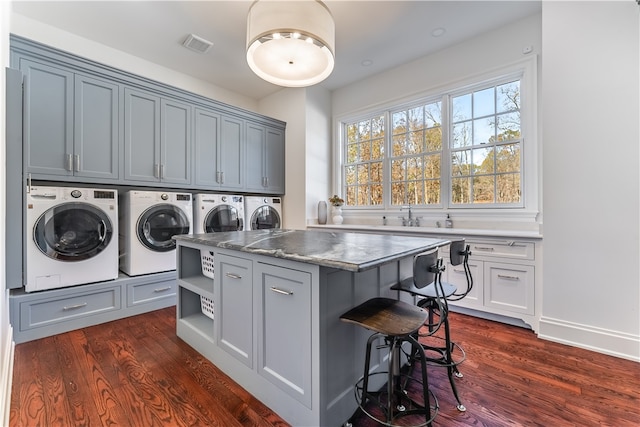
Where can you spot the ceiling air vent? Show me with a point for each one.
(197, 44)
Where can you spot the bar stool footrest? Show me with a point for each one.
(404, 398)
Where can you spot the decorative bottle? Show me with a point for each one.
(322, 212)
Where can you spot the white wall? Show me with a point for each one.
(51, 36)
(590, 178)
(307, 114)
(6, 334)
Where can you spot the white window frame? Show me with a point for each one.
(526, 70)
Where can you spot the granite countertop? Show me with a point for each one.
(344, 251)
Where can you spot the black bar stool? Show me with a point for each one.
(434, 299)
(396, 322)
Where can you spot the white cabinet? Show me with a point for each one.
(504, 281)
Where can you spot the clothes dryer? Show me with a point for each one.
(263, 212)
(148, 221)
(217, 212)
(70, 236)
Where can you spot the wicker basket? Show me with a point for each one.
(207, 306)
(207, 263)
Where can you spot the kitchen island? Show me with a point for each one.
(264, 307)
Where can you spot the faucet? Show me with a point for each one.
(406, 221)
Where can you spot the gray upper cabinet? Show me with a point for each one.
(157, 139)
(265, 159)
(70, 123)
(219, 151)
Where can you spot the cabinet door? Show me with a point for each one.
(141, 136)
(231, 145)
(509, 287)
(234, 308)
(48, 119)
(207, 135)
(455, 274)
(231, 150)
(284, 334)
(255, 141)
(96, 136)
(175, 163)
(274, 154)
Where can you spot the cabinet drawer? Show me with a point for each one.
(35, 314)
(142, 293)
(455, 275)
(509, 287)
(503, 249)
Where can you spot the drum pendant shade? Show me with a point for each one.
(290, 43)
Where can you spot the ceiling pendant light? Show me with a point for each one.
(290, 43)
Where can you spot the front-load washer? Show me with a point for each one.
(217, 212)
(148, 221)
(70, 236)
(263, 212)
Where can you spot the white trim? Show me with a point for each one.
(606, 341)
(531, 197)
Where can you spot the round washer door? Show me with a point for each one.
(265, 217)
(223, 218)
(72, 232)
(158, 224)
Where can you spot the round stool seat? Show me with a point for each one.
(387, 316)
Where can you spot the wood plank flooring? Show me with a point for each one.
(136, 372)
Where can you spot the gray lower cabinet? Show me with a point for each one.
(234, 308)
(265, 159)
(157, 139)
(285, 320)
(70, 121)
(41, 314)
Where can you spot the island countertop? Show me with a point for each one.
(345, 251)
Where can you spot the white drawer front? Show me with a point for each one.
(503, 249)
(509, 287)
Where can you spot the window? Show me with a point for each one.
(459, 149)
(485, 146)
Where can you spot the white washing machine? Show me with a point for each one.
(148, 221)
(217, 212)
(263, 212)
(70, 236)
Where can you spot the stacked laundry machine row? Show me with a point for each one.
(83, 235)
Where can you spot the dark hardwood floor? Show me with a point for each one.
(136, 372)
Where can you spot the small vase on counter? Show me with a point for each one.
(337, 215)
(322, 212)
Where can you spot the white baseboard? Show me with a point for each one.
(613, 343)
(6, 376)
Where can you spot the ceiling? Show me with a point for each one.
(382, 34)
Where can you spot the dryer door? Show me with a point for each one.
(72, 232)
(223, 218)
(158, 224)
(265, 217)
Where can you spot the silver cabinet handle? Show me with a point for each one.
(73, 307)
(280, 291)
(69, 163)
(77, 157)
(483, 248)
(266, 181)
(161, 171)
(455, 270)
(162, 289)
(504, 276)
(156, 170)
(221, 177)
(218, 177)
(233, 276)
